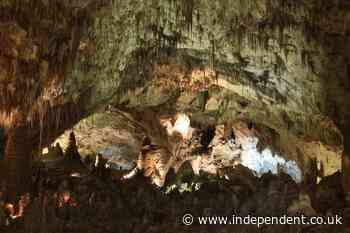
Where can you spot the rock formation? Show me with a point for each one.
(210, 82)
(72, 153)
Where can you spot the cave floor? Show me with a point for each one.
(101, 202)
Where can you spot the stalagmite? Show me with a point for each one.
(310, 178)
(71, 153)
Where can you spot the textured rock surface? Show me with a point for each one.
(275, 63)
(89, 204)
(281, 64)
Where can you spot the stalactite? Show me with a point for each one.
(2, 143)
(303, 55)
(58, 119)
(41, 135)
(212, 54)
(187, 9)
(321, 171)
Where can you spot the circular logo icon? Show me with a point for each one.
(187, 219)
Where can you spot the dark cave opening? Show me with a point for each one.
(207, 136)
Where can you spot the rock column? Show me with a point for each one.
(17, 161)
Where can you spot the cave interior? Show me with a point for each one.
(133, 115)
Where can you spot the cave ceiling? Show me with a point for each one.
(282, 65)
